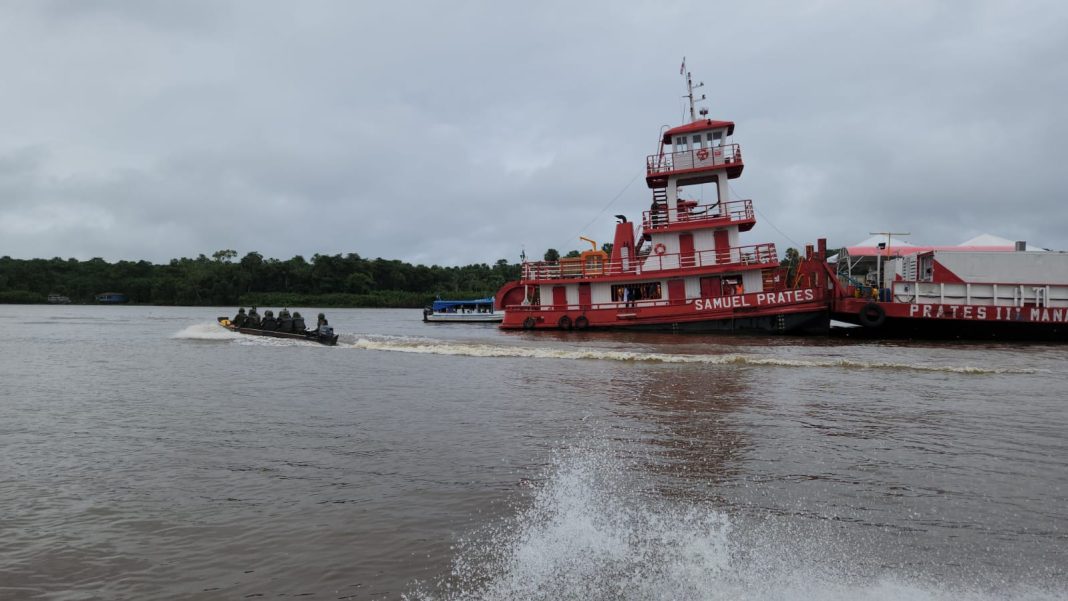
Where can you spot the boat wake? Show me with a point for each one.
(591, 532)
(438, 347)
(206, 331)
(213, 332)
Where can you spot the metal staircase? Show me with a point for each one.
(658, 213)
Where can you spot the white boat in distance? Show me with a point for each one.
(479, 310)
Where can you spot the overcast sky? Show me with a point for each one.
(460, 132)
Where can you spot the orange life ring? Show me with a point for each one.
(659, 248)
(702, 154)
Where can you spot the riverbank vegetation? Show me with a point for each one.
(222, 280)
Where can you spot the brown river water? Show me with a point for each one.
(145, 453)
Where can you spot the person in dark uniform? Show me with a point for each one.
(253, 320)
(323, 329)
(269, 322)
(298, 323)
(285, 322)
(239, 320)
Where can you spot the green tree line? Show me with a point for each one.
(221, 280)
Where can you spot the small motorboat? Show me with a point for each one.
(308, 335)
(479, 310)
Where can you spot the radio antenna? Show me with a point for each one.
(689, 94)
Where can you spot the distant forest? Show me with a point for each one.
(221, 280)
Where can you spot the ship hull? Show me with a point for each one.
(816, 322)
(738, 314)
(911, 329)
(950, 321)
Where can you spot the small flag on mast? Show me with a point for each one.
(682, 69)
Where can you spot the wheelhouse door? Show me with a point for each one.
(560, 297)
(677, 290)
(686, 250)
(584, 296)
(723, 246)
(711, 287)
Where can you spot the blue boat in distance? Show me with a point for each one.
(112, 298)
(479, 310)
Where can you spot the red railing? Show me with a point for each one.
(727, 154)
(734, 211)
(651, 264)
(622, 305)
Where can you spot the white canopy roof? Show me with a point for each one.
(992, 240)
(876, 240)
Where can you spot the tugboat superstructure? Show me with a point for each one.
(684, 266)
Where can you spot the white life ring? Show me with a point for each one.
(659, 248)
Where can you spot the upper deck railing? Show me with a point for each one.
(728, 154)
(734, 211)
(980, 293)
(652, 264)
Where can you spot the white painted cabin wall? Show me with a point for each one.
(670, 242)
(670, 259)
(752, 281)
(693, 288)
(672, 200)
(545, 292)
(704, 240)
(733, 240)
(600, 293)
(572, 294)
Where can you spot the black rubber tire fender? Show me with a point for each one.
(529, 323)
(581, 323)
(871, 315)
(564, 323)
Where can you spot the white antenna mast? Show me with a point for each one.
(693, 101)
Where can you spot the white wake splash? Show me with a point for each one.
(589, 534)
(435, 347)
(206, 331)
(213, 331)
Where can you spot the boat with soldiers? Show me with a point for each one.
(283, 326)
(683, 266)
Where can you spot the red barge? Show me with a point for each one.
(683, 267)
(989, 294)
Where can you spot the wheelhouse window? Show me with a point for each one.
(715, 138)
(628, 293)
(697, 141)
(681, 144)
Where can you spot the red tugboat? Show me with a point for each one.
(971, 294)
(684, 269)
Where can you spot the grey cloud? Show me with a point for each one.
(462, 132)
